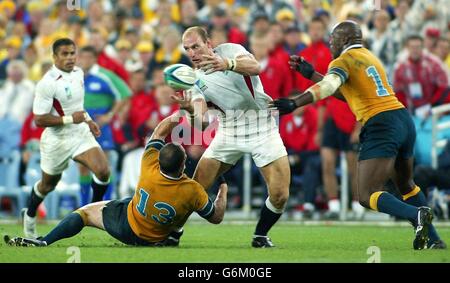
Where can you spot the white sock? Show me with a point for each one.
(334, 205)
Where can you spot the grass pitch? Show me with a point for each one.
(230, 243)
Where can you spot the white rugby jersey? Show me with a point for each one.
(240, 100)
(61, 94)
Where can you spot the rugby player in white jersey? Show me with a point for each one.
(69, 132)
(228, 81)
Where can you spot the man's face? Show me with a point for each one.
(336, 44)
(316, 31)
(65, 58)
(87, 60)
(415, 48)
(195, 47)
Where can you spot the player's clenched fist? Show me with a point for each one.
(302, 66)
(95, 129)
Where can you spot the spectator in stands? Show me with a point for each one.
(443, 51)
(145, 50)
(270, 7)
(286, 18)
(399, 27)
(292, 40)
(259, 23)
(221, 20)
(275, 76)
(98, 39)
(36, 13)
(317, 53)
(105, 95)
(142, 103)
(163, 21)
(431, 39)
(297, 131)
(13, 47)
(16, 95)
(77, 30)
(218, 36)
(170, 51)
(428, 13)
(188, 11)
(276, 39)
(380, 41)
(419, 80)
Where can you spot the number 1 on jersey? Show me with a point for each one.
(142, 202)
(373, 73)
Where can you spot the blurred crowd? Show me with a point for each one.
(128, 43)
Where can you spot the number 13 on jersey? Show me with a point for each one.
(166, 211)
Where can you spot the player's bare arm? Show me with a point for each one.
(166, 126)
(243, 64)
(196, 109)
(49, 120)
(220, 204)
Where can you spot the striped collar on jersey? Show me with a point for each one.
(351, 47)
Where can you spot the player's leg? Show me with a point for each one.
(95, 160)
(73, 223)
(277, 176)
(372, 175)
(412, 194)
(270, 156)
(208, 170)
(39, 191)
(330, 183)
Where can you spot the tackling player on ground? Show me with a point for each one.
(388, 134)
(164, 199)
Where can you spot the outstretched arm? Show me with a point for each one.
(196, 109)
(307, 70)
(326, 87)
(220, 204)
(166, 126)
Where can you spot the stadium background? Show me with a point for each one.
(136, 39)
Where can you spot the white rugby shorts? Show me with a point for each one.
(263, 148)
(58, 149)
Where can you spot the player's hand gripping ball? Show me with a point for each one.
(179, 76)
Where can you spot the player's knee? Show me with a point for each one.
(279, 199)
(46, 188)
(103, 173)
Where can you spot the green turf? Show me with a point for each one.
(204, 242)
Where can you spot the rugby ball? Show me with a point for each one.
(179, 76)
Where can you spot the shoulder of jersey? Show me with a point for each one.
(221, 47)
(77, 70)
